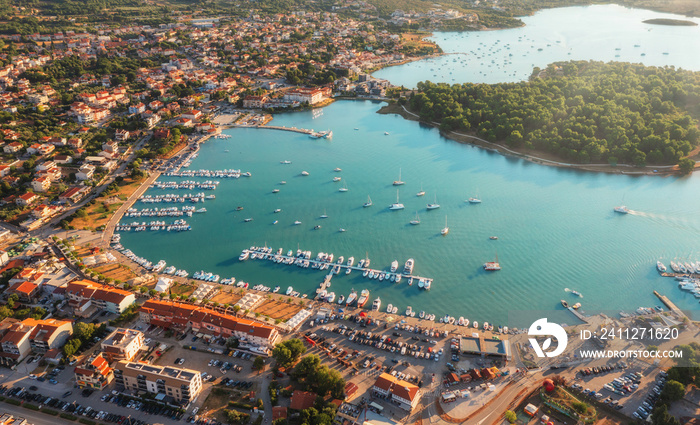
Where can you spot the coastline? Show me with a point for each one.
(661, 170)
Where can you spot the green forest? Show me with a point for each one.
(585, 112)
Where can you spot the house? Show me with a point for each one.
(403, 393)
(94, 372)
(33, 149)
(26, 291)
(185, 122)
(38, 336)
(26, 199)
(192, 115)
(137, 109)
(304, 95)
(111, 146)
(85, 172)
(122, 344)
(73, 194)
(184, 317)
(13, 147)
(255, 102)
(5, 170)
(46, 149)
(302, 400)
(53, 356)
(63, 159)
(75, 142)
(113, 300)
(121, 135)
(184, 385)
(41, 184)
(46, 165)
(161, 133)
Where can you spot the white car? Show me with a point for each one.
(195, 410)
(181, 361)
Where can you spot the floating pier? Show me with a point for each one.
(580, 316)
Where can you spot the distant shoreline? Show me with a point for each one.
(670, 22)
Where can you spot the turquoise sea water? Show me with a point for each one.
(556, 227)
(604, 33)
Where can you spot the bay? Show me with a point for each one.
(556, 227)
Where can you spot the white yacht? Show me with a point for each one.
(368, 203)
(621, 209)
(376, 304)
(409, 311)
(422, 192)
(297, 222)
(337, 169)
(336, 179)
(324, 215)
(394, 266)
(277, 210)
(416, 220)
(304, 173)
(389, 308)
(285, 162)
(408, 267)
(289, 290)
(434, 205)
(396, 206)
(399, 182)
(341, 300)
(344, 188)
(445, 230)
(330, 297)
(244, 255)
(474, 200)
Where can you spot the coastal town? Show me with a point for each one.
(91, 333)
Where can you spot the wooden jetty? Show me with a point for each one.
(671, 306)
(580, 316)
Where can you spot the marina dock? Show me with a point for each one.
(580, 316)
(292, 129)
(335, 268)
(671, 306)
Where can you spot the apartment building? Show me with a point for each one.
(94, 372)
(182, 385)
(87, 297)
(122, 344)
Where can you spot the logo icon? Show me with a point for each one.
(542, 328)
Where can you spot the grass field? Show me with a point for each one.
(99, 213)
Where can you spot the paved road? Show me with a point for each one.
(31, 416)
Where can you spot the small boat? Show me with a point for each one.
(296, 223)
(277, 210)
(239, 208)
(434, 205)
(422, 192)
(564, 303)
(475, 324)
(386, 133)
(474, 200)
(341, 300)
(421, 314)
(660, 267)
(409, 311)
(493, 238)
(336, 179)
(364, 296)
(492, 266)
(445, 230)
(341, 230)
(351, 298)
(389, 308)
(576, 306)
(399, 182)
(289, 290)
(621, 209)
(394, 266)
(276, 290)
(368, 203)
(421, 283)
(337, 169)
(344, 188)
(275, 222)
(397, 205)
(460, 322)
(376, 304)
(394, 310)
(285, 162)
(410, 282)
(304, 173)
(248, 220)
(324, 215)
(316, 227)
(283, 182)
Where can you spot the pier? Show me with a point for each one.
(580, 316)
(278, 127)
(671, 306)
(335, 268)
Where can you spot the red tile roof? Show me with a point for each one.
(302, 400)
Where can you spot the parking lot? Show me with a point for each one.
(620, 383)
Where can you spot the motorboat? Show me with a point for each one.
(421, 314)
(316, 227)
(399, 182)
(376, 304)
(475, 324)
(244, 255)
(341, 300)
(337, 169)
(493, 238)
(421, 283)
(660, 267)
(277, 210)
(304, 173)
(276, 290)
(364, 296)
(283, 182)
(408, 267)
(275, 190)
(289, 291)
(296, 223)
(389, 308)
(336, 179)
(576, 306)
(474, 200)
(564, 303)
(409, 311)
(330, 297)
(577, 293)
(275, 222)
(239, 208)
(341, 230)
(352, 297)
(394, 266)
(397, 205)
(285, 162)
(621, 209)
(247, 220)
(492, 266)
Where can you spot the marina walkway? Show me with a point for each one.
(580, 316)
(671, 306)
(276, 127)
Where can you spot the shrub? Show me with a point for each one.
(30, 406)
(87, 421)
(580, 407)
(12, 401)
(68, 416)
(49, 412)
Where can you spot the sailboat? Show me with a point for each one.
(445, 230)
(434, 205)
(368, 203)
(399, 182)
(397, 205)
(415, 220)
(492, 266)
(344, 188)
(422, 192)
(324, 215)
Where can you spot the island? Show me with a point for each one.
(671, 22)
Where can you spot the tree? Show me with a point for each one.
(288, 352)
(259, 364)
(686, 166)
(232, 342)
(511, 416)
(673, 391)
